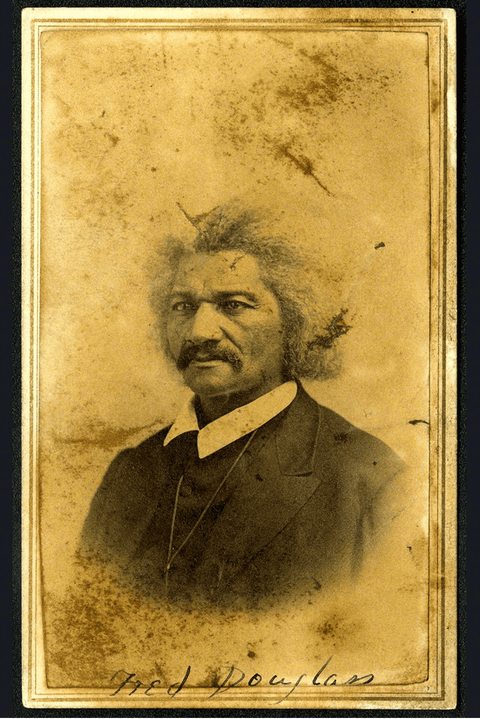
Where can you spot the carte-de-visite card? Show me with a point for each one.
(239, 426)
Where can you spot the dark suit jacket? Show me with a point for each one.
(300, 510)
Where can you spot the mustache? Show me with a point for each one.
(207, 352)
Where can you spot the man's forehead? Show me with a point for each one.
(220, 270)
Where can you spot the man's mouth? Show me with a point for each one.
(199, 362)
(202, 357)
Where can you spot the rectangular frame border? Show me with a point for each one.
(442, 641)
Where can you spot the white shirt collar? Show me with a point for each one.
(235, 424)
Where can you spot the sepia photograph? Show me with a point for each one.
(239, 333)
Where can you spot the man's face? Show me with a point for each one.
(224, 326)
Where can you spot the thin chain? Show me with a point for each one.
(171, 556)
(170, 543)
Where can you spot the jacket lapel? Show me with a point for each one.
(274, 482)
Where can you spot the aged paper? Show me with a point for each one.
(137, 126)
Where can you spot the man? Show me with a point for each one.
(255, 493)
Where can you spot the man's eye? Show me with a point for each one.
(183, 307)
(234, 305)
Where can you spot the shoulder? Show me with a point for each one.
(147, 450)
(134, 465)
(356, 443)
(151, 445)
(354, 453)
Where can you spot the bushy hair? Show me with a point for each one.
(287, 269)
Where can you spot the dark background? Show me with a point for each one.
(468, 117)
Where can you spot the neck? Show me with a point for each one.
(211, 408)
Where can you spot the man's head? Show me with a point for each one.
(224, 326)
(241, 309)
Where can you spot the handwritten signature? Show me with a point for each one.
(234, 677)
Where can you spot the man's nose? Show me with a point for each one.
(206, 324)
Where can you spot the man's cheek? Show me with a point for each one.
(174, 341)
(170, 347)
(265, 341)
